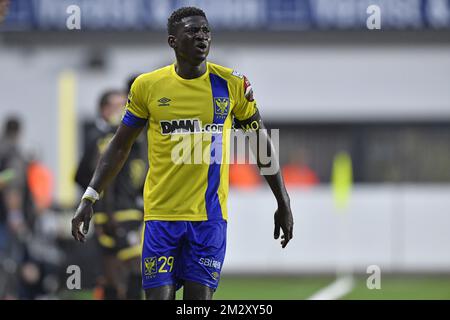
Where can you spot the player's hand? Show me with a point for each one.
(83, 216)
(284, 221)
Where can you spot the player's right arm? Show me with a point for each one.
(109, 165)
(114, 157)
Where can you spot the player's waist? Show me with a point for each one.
(155, 216)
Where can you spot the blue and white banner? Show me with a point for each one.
(125, 15)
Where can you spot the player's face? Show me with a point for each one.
(192, 39)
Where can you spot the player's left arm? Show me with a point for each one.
(283, 218)
(248, 118)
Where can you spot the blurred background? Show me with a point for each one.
(364, 137)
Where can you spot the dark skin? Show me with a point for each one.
(191, 42)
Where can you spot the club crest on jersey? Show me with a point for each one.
(221, 107)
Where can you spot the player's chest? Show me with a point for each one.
(189, 101)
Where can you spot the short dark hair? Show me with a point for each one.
(104, 98)
(181, 13)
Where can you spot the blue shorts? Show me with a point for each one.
(175, 251)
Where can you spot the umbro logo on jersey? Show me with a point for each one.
(163, 102)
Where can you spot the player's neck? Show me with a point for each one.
(188, 71)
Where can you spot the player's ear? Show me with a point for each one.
(172, 41)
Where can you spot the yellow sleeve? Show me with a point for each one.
(245, 105)
(137, 99)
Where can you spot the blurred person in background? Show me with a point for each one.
(14, 208)
(297, 172)
(30, 257)
(118, 217)
(13, 159)
(44, 258)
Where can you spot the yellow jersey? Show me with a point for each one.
(189, 124)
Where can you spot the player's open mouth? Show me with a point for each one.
(201, 45)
